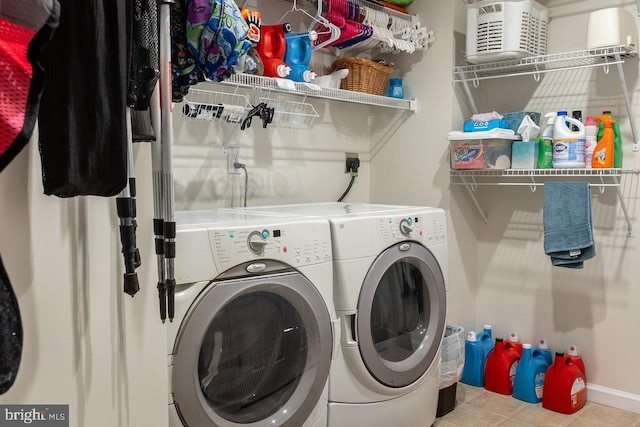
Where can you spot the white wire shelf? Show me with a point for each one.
(209, 105)
(544, 63)
(204, 105)
(315, 91)
(537, 65)
(516, 173)
(533, 178)
(291, 115)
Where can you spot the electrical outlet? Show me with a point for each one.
(352, 163)
(233, 156)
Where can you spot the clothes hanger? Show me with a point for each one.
(328, 27)
(325, 24)
(382, 36)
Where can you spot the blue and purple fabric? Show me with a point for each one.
(216, 36)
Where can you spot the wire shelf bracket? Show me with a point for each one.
(536, 65)
(533, 178)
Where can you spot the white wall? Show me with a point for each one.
(516, 287)
(86, 343)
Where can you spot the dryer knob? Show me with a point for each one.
(405, 228)
(255, 243)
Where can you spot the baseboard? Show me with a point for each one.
(615, 398)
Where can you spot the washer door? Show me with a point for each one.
(401, 314)
(253, 352)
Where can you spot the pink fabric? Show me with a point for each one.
(15, 78)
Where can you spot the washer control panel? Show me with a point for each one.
(296, 244)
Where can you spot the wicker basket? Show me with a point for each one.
(365, 75)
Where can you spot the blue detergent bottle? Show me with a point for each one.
(474, 358)
(543, 347)
(298, 55)
(529, 380)
(486, 339)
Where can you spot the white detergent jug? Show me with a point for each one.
(568, 146)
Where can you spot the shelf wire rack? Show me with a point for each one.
(533, 178)
(315, 91)
(544, 63)
(206, 105)
(290, 114)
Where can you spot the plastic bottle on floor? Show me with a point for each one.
(514, 339)
(486, 338)
(501, 367)
(543, 346)
(529, 380)
(565, 387)
(473, 370)
(574, 355)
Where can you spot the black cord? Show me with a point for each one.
(246, 179)
(354, 175)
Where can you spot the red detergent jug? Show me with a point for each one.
(565, 388)
(574, 355)
(272, 47)
(515, 340)
(501, 367)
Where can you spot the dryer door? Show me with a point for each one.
(253, 351)
(401, 314)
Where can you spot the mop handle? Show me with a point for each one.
(156, 166)
(126, 212)
(169, 226)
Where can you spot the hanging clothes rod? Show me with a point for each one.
(392, 12)
(370, 4)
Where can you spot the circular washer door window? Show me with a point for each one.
(253, 351)
(401, 314)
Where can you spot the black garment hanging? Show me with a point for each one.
(144, 58)
(82, 120)
(10, 333)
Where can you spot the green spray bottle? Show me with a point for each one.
(545, 149)
(617, 142)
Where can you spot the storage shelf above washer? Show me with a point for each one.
(533, 178)
(315, 91)
(537, 65)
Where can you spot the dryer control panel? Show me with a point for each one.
(428, 229)
(296, 244)
(366, 235)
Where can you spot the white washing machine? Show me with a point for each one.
(252, 341)
(390, 264)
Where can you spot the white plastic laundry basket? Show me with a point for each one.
(503, 30)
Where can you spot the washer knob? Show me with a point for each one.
(256, 243)
(405, 227)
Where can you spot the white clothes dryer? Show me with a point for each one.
(390, 265)
(251, 343)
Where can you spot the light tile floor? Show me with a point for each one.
(478, 407)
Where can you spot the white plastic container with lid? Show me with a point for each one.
(568, 146)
